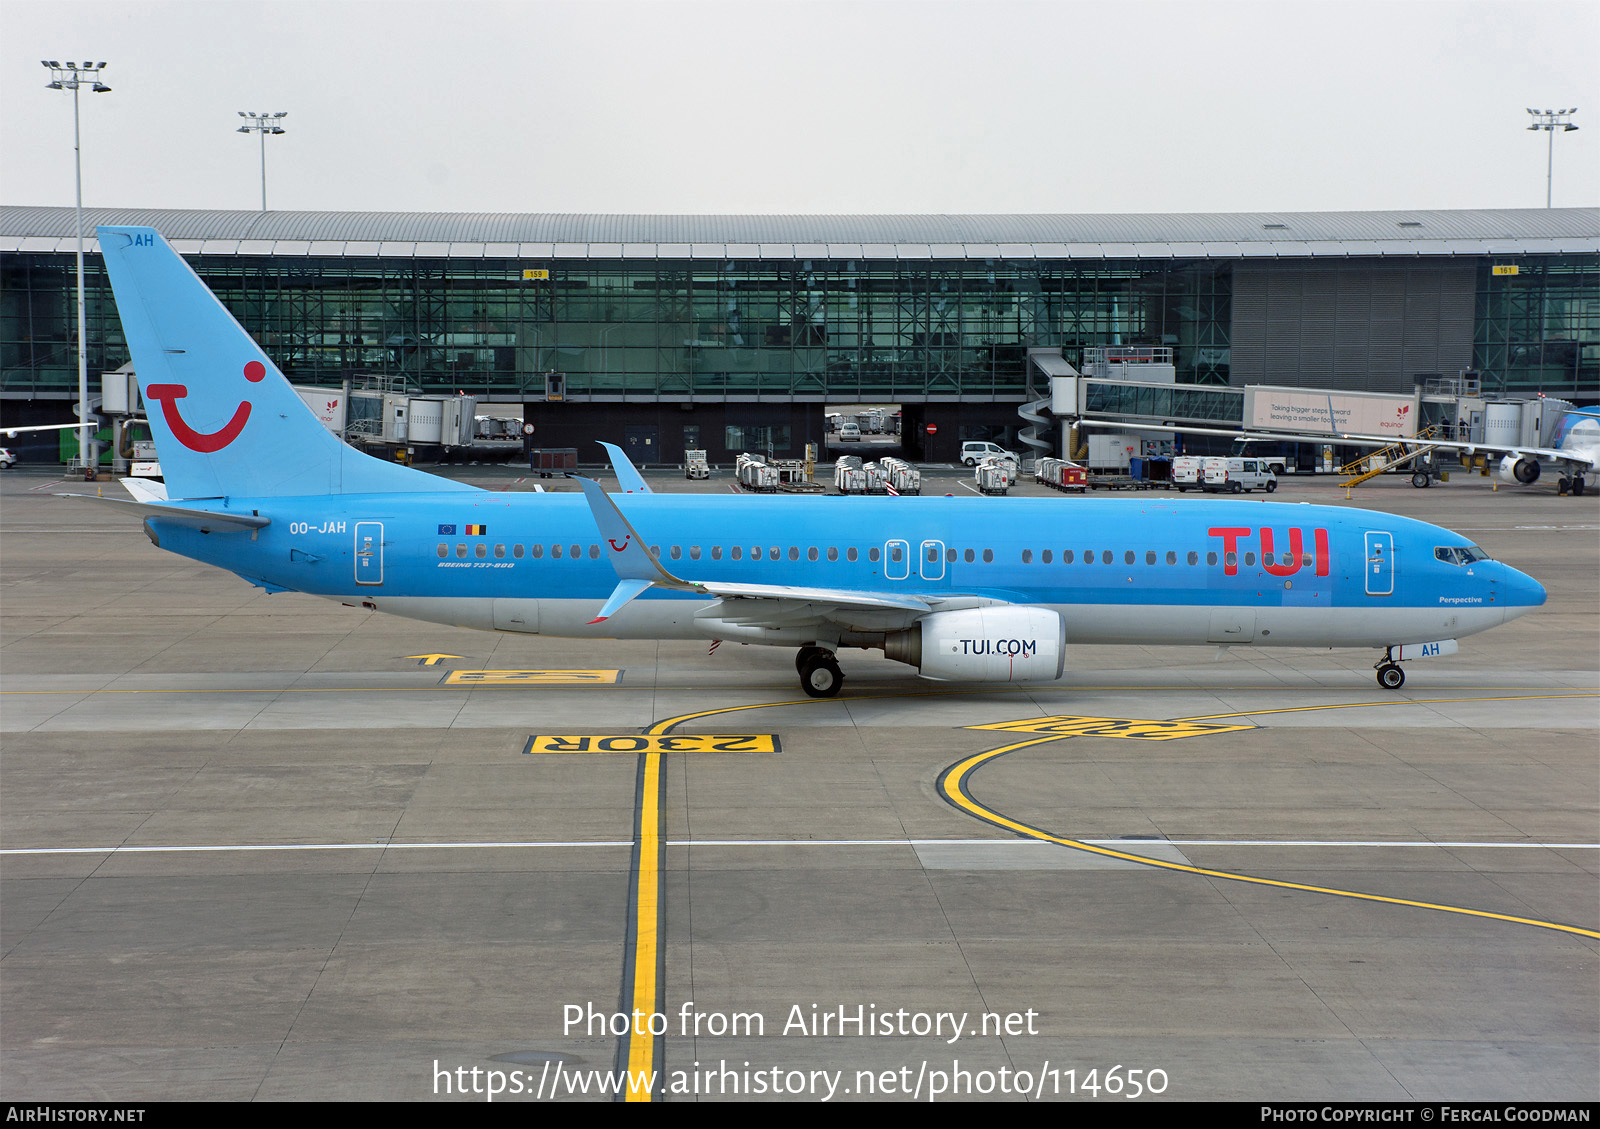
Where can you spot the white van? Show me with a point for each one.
(1187, 471)
(975, 451)
(1235, 476)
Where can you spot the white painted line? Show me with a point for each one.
(1030, 844)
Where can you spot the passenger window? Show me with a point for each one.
(480, 550)
(537, 551)
(738, 552)
(1127, 557)
(774, 554)
(461, 550)
(577, 551)
(694, 552)
(555, 552)
(1105, 557)
(444, 550)
(716, 552)
(833, 552)
(872, 554)
(1211, 558)
(1045, 556)
(794, 552)
(811, 553)
(677, 552)
(988, 556)
(1305, 560)
(1149, 557)
(933, 554)
(850, 554)
(950, 556)
(516, 551)
(1027, 556)
(894, 554)
(1066, 556)
(1172, 558)
(1266, 558)
(755, 552)
(1231, 560)
(499, 552)
(1249, 558)
(970, 556)
(1194, 557)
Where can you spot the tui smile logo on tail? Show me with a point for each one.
(206, 443)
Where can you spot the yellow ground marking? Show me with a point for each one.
(646, 939)
(952, 785)
(531, 678)
(637, 743)
(431, 660)
(1067, 725)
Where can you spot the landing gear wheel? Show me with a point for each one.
(821, 676)
(1421, 480)
(1578, 485)
(805, 655)
(1563, 485)
(1391, 677)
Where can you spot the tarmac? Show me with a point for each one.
(266, 847)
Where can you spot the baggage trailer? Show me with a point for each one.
(551, 461)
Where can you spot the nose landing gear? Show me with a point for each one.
(1390, 676)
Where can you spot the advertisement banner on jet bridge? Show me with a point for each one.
(1303, 409)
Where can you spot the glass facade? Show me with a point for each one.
(803, 330)
(658, 329)
(1538, 329)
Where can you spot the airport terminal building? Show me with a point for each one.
(730, 333)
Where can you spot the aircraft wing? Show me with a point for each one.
(638, 570)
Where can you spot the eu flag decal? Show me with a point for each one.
(477, 531)
(447, 531)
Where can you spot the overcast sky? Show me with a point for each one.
(761, 106)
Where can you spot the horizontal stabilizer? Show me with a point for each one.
(207, 521)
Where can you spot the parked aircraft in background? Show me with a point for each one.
(963, 589)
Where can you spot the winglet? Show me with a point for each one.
(625, 591)
(627, 551)
(628, 476)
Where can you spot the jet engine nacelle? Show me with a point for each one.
(1518, 469)
(998, 644)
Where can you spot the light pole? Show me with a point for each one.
(1550, 121)
(263, 124)
(70, 76)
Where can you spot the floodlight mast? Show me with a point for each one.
(70, 76)
(1550, 121)
(263, 124)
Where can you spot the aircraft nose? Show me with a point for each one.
(1522, 590)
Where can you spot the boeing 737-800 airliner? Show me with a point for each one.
(963, 589)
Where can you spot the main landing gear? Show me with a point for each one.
(1390, 676)
(820, 676)
(1574, 485)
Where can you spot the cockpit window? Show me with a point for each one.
(1460, 554)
